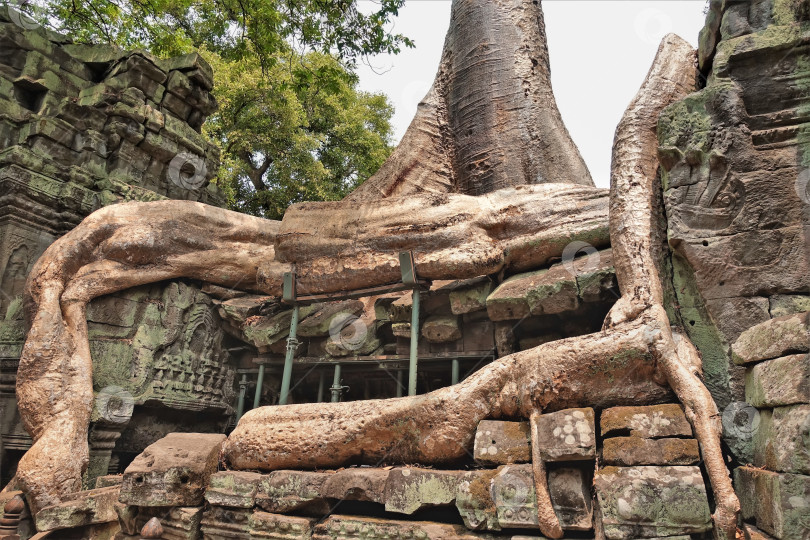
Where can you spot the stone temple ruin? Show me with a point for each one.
(477, 343)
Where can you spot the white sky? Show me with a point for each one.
(600, 52)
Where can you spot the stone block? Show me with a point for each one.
(646, 421)
(220, 523)
(782, 440)
(780, 503)
(293, 491)
(501, 443)
(355, 527)
(174, 471)
(567, 435)
(80, 510)
(752, 533)
(505, 498)
(233, 488)
(630, 451)
(179, 523)
(330, 318)
(647, 502)
(356, 484)
(570, 490)
(775, 338)
(441, 328)
(408, 490)
(779, 382)
(109, 480)
(469, 297)
(788, 304)
(550, 291)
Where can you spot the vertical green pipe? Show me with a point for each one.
(399, 383)
(454, 371)
(414, 343)
(240, 405)
(336, 387)
(259, 384)
(321, 383)
(292, 345)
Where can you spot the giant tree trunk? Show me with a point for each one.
(490, 120)
(353, 244)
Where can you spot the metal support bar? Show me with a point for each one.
(414, 343)
(336, 386)
(454, 371)
(292, 345)
(321, 384)
(399, 383)
(240, 405)
(259, 383)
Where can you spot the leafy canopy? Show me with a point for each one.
(291, 123)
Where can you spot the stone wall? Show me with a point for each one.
(80, 128)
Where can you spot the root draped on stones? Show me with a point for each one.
(637, 358)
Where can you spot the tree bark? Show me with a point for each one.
(490, 120)
(333, 246)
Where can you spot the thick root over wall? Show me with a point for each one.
(454, 236)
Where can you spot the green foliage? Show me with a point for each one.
(288, 140)
(292, 125)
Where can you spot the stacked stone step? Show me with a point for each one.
(774, 488)
(648, 484)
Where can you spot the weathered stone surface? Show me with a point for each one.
(630, 451)
(352, 527)
(320, 323)
(441, 328)
(179, 523)
(470, 295)
(356, 484)
(782, 440)
(625, 495)
(788, 304)
(233, 488)
(772, 339)
(501, 443)
(401, 329)
(778, 502)
(647, 422)
(779, 382)
(505, 498)
(292, 491)
(557, 289)
(84, 508)
(109, 480)
(173, 471)
(752, 533)
(219, 523)
(569, 435)
(410, 489)
(570, 490)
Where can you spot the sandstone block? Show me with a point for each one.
(502, 443)
(233, 488)
(174, 471)
(469, 296)
(772, 339)
(647, 422)
(779, 382)
(441, 328)
(505, 498)
(321, 323)
(219, 523)
(782, 441)
(630, 451)
(626, 494)
(292, 491)
(410, 489)
(788, 304)
(354, 527)
(109, 480)
(81, 509)
(567, 435)
(752, 533)
(778, 502)
(357, 484)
